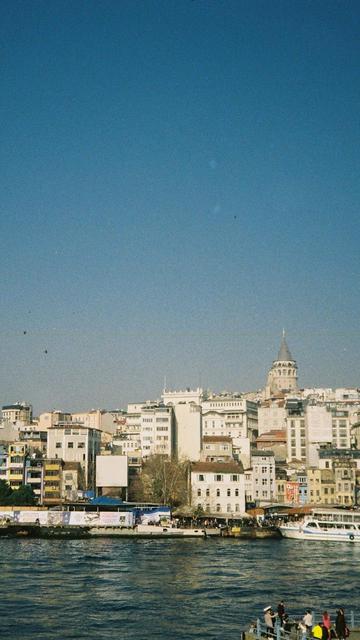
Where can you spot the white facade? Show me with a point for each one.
(263, 476)
(188, 431)
(76, 443)
(231, 416)
(156, 431)
(187, 422)
(218, 488)
(111, 471)
(271, 418)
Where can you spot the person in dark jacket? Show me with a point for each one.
(340, 624)
(281, 611)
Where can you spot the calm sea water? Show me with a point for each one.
(179, 589)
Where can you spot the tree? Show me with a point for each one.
(24, 496)
(164, 480)
(5, 492)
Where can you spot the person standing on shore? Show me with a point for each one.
(269, 620)
(340, 624)
(326, 624)
(281, 611)
(308, 620)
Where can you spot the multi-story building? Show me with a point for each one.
(187, 421)
(216, 449)
(333, 485)
(34, 476)
(53, 481)
(263, 476)
(4, 450)
(219, 488)
(271, 416)
(17, 455)
(20, 412)
(76, 443)
(231, 415)
(51, 418)
(156, 430)
(273, 441)
(35, 440)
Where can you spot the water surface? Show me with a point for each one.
(179, 589)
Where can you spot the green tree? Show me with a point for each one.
(5, 492)
(24, 496)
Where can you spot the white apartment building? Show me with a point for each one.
(51, 418)
(187, 422)
(19, 413)
(263, 476)
(76, 443)
(156, 430)
(219, 488)
(127, 436)
(233, 416)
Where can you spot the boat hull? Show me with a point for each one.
(302, 533)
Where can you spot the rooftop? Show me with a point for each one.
(217, 467)
(217, 439)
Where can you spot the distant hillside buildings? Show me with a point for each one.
(282, 445)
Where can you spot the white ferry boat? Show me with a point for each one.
(325, 524)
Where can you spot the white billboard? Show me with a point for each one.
(111, 471)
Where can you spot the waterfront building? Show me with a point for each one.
(263, 476)
(333, 485)
(112, 476)
(34, 475)
(18, 413)
(282, 377)
(73, 481)
(187, 414)
(219, 488)
(53, 481)
(4, 450)
(17, 454)
(76, 443)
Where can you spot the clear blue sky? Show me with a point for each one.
(180, 181)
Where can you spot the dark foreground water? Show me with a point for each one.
(179, 589)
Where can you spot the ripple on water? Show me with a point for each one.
(183, 589)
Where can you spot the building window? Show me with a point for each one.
(234, 478)
(207, 493)
(70, 445)
(218, 493)
(228, 493)
(228, 508)
(199, 493)
(218, 478)
(236, 493)
(58, 445)
(81, 445)
(218, 508)
(201, 478)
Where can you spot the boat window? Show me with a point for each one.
(349, 526)
(312, 524)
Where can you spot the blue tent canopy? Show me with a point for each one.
(106, 501)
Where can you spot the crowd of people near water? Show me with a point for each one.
(277, 621)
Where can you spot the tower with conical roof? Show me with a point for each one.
(282, 377)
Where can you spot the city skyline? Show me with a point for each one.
(178, 186)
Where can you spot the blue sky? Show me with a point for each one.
(180, 181)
